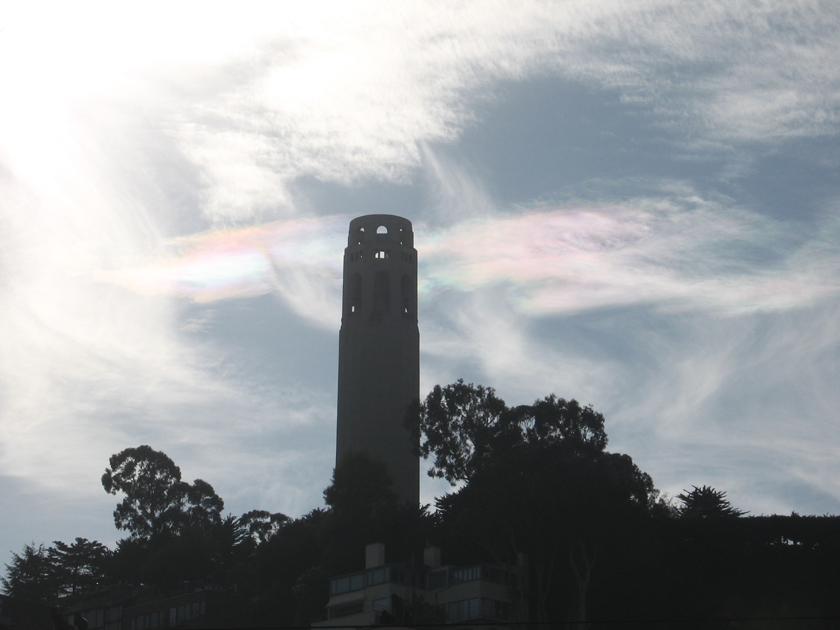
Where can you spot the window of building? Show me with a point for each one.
(354, 294)
(407, 295)
(466, 575)
(494, 574)
(381, 292)
(347, 583)
(405, 237)
(382, 230)
(382, 253)
(377, 576)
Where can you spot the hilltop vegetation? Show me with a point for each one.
(534, 479)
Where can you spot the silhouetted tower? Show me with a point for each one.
(379, 347)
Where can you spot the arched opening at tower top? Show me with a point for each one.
(382, 230)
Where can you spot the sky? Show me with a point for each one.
(633, 203)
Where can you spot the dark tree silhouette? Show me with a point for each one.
(31, 576)
(467, 426)
(204, 507)
(361, 504)
(706, 502)
(459, 425)
(157, 503)
(361, 485)
(262, 525)
(561, 508)
(79, 566)
(538, 480)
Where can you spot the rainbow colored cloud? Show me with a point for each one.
(551, 260)
(238, 262)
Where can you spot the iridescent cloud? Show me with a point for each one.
(550, 260)
(674, 254)
(239, 262)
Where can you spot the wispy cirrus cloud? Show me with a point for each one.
(679, 252)
(357, 94)
(674, 253)
(199, 117)
(254, 99)
(298, 259)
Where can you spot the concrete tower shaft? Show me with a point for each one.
(379, 347)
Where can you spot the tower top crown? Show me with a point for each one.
(379, 228)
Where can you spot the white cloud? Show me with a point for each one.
(122, 127)
(260, 95)
(678, 251)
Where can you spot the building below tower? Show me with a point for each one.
(379, 348)
(409, 593)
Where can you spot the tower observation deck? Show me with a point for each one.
(379, 347)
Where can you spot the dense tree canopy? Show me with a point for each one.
(465, 427)
(360, 484)
(30, 576)
(580, 529)
(537, 480)
(706, 502)
(262, 525)
(156, 501)
(61, 571)
(79, 566)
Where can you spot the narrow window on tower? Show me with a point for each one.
(383, 253)
(381, 293)
(405, 237)
(407, 294)
(354, 294)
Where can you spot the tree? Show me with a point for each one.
(280, 566)
(706, 502)
(460, 424)
(361, 485)
(55, 573)
(537, 479)
(262, 525)
(157, 503)
(361, 504)
(467, 426)
(31, 576)
(79, 566)
(204, 506)
(565, 510)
